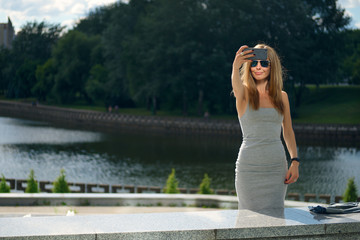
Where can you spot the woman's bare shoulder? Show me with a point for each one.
(284, 94)
(284, 97)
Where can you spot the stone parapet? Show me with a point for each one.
(292, 223)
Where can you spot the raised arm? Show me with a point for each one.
(289, 137)
(237, 84)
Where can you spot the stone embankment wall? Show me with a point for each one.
(309, 133)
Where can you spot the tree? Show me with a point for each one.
(176, 55)
(5, 58)
(73, 60)
(44, 80)
(349, 69)
(124, 18)
(32, 185)
(172, 183)
(205, 185)
(350, 194)
(97, 20)
(95, 86)
(31, 47)
(60, 184)
(4, 188)
(24, 79)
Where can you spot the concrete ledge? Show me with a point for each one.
(292, 223)
(117, 199)
(126, 199)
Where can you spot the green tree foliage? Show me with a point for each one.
(123, 21)
(205, 185)
(4, 187)
(177, 55)
(60, 184)
(73, 60)
(97, 20)
(95, 86)
(172, 183)
(350, 194)
(350, 64)
(183, 50)
(5, 59)
(32, 46)
(32, 185)
(44, 80)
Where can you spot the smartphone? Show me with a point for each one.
(260, 53)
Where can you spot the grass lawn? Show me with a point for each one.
(330, 104)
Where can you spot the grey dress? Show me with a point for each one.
(261, 165)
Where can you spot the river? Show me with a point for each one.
(147, 159)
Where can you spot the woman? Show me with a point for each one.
(261, 174)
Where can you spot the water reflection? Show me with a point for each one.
(16, 131)
(144, 159)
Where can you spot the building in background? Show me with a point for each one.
(7, 34)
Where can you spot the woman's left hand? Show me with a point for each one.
(292, 174)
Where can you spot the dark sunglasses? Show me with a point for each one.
(263, 63)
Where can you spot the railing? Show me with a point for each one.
(19, 185)
(339, 134)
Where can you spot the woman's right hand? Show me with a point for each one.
(242, 57)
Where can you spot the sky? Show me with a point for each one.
(68, 12)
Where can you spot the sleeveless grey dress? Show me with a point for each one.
(261, 165)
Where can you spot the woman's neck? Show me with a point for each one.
(261, 86)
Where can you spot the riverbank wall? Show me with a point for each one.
(341, 135)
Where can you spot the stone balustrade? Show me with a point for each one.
(19, 185)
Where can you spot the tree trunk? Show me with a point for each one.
(201, 103)
(185, 103)
(154, 105)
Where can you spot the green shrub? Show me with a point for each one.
(172, 183)
(4, 187)
(350, 194)
(32, 185)
(205, 185)
(60, 184)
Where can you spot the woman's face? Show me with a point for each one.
(259, 72)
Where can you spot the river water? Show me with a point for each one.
(147, 159)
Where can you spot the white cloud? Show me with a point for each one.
(66, 12)
(69, 23)
(96, 3)
(78, 9)
(349, 3)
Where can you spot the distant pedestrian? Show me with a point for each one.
(261, 174)
(206, 115)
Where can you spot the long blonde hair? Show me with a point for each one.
(274, 84)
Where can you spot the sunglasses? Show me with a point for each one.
(263, 63)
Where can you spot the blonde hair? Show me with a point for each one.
(274, 85)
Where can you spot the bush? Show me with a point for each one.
(350, 194)
(32, 185)
(172, 183)
(60, 184)
(4, 187)
(205, 185)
